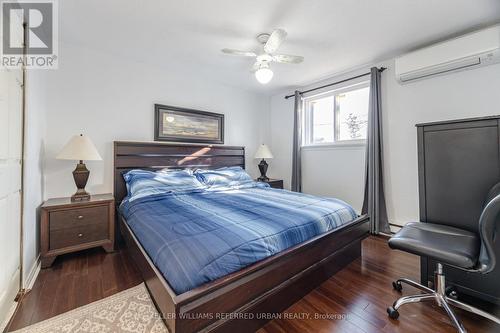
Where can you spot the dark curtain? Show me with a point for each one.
(297, 138)
(374, 201)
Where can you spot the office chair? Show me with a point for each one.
(454, 247)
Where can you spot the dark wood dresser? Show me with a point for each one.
(274, 183)
(458, 163)
(68, 226)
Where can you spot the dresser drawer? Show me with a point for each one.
(78, 226)
(61, 238)
(64, 219)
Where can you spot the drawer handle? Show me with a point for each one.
(80, 217)
(80, 235)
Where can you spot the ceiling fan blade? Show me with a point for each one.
(239, 53)
(275, 40)
(288, 59)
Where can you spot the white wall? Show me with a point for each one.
(111, 98)
(35, 132)
(339, 172)
(343, 169)
(472, 93)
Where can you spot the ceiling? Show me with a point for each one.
(332, 35)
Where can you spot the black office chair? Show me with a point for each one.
(454, 247)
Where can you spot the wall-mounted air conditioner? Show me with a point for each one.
(480, 48)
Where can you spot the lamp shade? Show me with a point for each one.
(79, 147)
(263, 152)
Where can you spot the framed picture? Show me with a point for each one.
(187, 125)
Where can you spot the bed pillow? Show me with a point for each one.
(141, 183)
(224, 177)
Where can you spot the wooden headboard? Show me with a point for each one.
(158, 155)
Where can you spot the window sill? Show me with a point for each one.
(351, 144)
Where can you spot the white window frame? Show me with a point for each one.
(308, 118)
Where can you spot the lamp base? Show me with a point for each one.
(80, 196)
(81, 176)
(263, 169)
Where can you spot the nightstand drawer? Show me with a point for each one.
(66, 237)
(275, 183)
(66, 219)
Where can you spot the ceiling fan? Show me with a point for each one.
(271, 43)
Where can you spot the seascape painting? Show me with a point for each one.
(186, 125)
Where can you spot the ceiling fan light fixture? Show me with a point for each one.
(264, 74)
(270, 44)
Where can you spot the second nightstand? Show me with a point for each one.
(68, 226)
(274, 183)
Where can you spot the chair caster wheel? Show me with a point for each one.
(397, 286)
(451, 292)
(393, 313)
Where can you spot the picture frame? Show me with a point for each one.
(178, 124)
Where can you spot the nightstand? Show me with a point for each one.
(274, 183)
(68, 226)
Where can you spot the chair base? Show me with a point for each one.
(439, 295)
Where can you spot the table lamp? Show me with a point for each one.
(263, 152)
(80, 148)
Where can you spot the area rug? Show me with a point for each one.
(128, 311)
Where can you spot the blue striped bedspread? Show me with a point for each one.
(194, 238)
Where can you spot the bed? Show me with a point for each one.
(282, 244)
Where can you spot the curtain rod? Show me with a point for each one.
(381, 69)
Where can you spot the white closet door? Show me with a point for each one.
(10, 186)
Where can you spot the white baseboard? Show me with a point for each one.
(10, 313)
(33, 274)
(7, 303)
(395, 228)
(27, 285)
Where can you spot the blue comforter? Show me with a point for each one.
(194, 238)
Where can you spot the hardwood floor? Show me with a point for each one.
(360, 293)
(354, 300)
(74, 280)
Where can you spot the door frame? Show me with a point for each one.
(21, 287)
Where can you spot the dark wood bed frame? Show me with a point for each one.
(245, 300)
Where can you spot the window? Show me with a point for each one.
(337, 116)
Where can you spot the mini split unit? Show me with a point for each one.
(477, 49)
